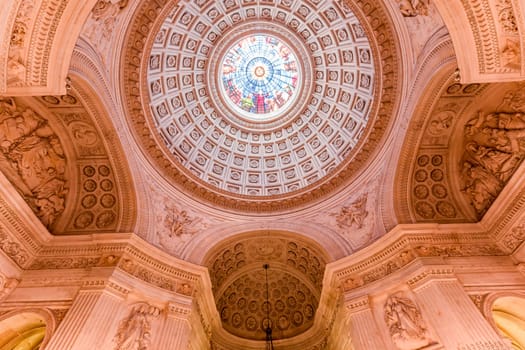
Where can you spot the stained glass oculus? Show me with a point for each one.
(260, 76)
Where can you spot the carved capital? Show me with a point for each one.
(178, 310)
(358, 304)
(429, 275)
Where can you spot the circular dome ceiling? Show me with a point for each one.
(258, 106)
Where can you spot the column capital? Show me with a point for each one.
(429, 274)
(357, 304)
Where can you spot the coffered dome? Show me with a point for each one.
(294, 284)
(288, 101)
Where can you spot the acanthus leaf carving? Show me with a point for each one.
(13, 249)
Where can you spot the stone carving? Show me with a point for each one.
(478, 300)
(16, 65)
(405, 323)
(515, 237)
(134, 332)
(413, 8)
(13, 249)
(493, 150)
(178, 222)
(430, 196)
(161, 280)
(7, 285)
(32, 159)
(102, 22)
(355, 213)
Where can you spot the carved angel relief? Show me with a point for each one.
(32, 159)
(355, 213)
(178, 223)
(413, 8)
(134, 332)
(405, 323)
(494, 148)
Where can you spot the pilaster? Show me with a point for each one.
(454, 317)
(92, 314)
(362, 326)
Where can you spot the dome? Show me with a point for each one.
(285, 108)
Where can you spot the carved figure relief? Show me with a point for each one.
(16, 65)
(355, 213)
(32, 159)
(134, 332)
(174, 226)
(413, 8)
(405, 323)
(102, 22)
(493, 150)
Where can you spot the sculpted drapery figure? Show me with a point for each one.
(134, 332)
(32, 159)
(494, 148)
(405, 323)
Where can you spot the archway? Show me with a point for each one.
(508, 313)
(25, 330)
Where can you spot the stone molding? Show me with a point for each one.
(38, 38)
(486, 37)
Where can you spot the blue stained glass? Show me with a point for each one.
(260, 75)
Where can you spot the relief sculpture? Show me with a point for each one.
(413, 8)
(494, 148)
(134, 332)
(103, 20)
(32, 159)
(405, 323)
(355, 213)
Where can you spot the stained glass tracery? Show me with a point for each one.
(260, 75)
